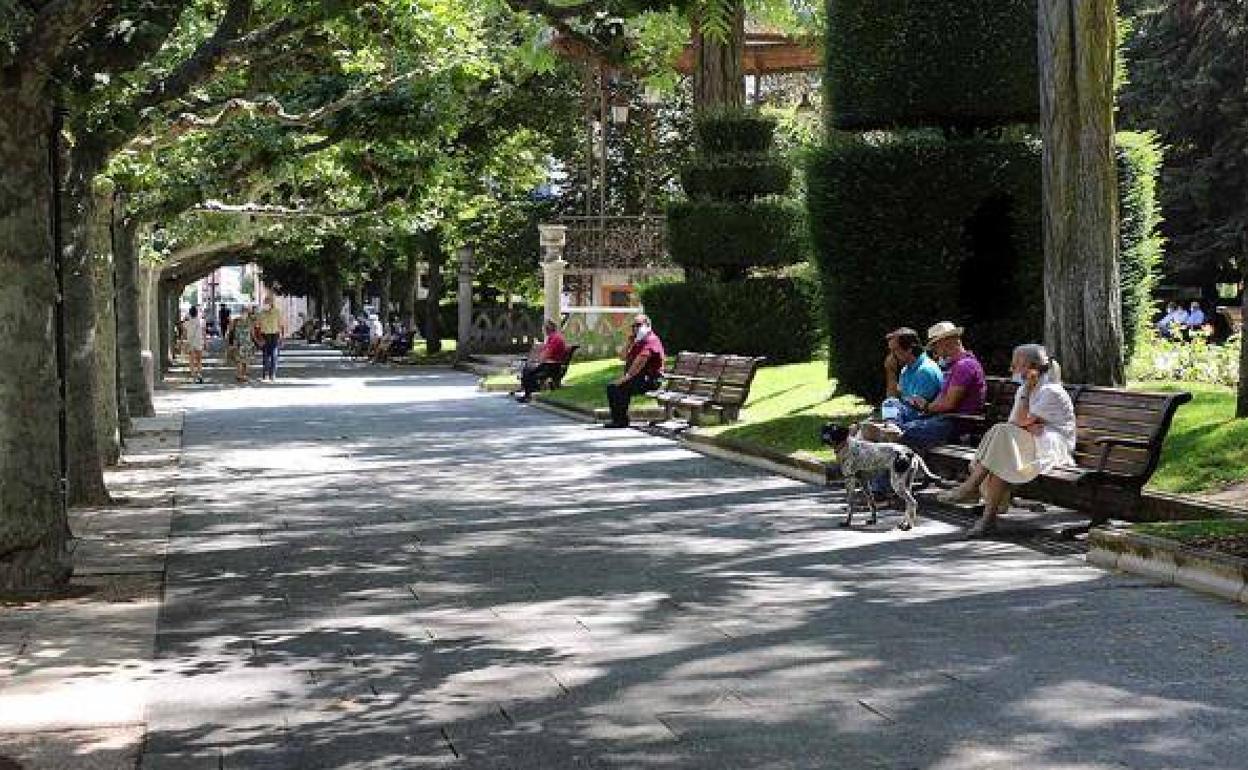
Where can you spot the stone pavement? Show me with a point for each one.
(383, 568)
(75, 673)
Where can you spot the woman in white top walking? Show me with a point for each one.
(1039, 435)
(194, 326)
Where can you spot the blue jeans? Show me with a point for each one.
(270, 355)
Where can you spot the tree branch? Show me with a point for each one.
(55, 26)
(201, 63)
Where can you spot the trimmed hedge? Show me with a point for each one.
(919, 230)
(709, 235)
(732, 132)
(907, 63)
(773, 317)
(1139, 244)
(741, 181)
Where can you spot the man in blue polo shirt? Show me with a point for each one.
(908, 370)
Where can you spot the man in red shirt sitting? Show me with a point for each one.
(548, 361)
(643, 367)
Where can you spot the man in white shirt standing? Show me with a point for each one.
(194, 326)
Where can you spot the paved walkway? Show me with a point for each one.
(382, 568)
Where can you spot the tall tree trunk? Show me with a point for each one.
(437, 261)
(718, 76)
(33, 524)
(108, 417)
(386, 281)
(137, 394)
(357, 297)
(409, 284)
(86, 462)
(1241, 400)
(166, 313)
(1082, 298)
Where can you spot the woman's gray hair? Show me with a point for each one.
(1035, 355)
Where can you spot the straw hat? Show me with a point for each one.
(942, 330)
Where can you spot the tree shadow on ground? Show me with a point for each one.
(463, 582)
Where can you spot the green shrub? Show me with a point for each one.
(919, 230)
(706, 235)
(773, 317)
(906, 63)
(741, 181)
(1139, 244)
(733, 132)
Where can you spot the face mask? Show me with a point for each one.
(1018, 379)
(943, 362)
(642, 332)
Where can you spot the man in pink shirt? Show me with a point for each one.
(548, 363)
(643, 368)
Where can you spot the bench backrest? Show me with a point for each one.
(709, 372)
(735, 381)
(1140, 419)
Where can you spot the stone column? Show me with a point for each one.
(553, 239)
(465, 300)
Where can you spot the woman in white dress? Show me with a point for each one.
(194, 326)
(1039, 435)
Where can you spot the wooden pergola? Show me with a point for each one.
(767, 53)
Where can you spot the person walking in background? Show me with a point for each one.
(223, 315)
(193, 328)
(272, 329)
(242, 342)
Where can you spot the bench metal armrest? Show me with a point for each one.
(1107, 443)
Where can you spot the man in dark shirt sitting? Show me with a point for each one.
(643, 367)
(548, 361)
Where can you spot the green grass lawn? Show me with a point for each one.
(1195, 531)
(420, 355)
(1207, 448)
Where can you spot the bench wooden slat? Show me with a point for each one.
(1095, 421)
(1146, 402)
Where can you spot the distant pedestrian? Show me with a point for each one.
(193, 328)
(272, 329)
(242, 342)
(223, 315)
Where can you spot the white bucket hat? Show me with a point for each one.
(943, 329)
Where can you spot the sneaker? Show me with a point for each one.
(981, 528)
(958, 497)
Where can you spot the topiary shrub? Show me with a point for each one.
(704, 235)
(730, 132)
(741, 181)
(773, 317)
(1139, 158)
(909, 63)
(893, 253)
(724, 229)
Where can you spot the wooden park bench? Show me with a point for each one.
(1119, 437)
(707, 383)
